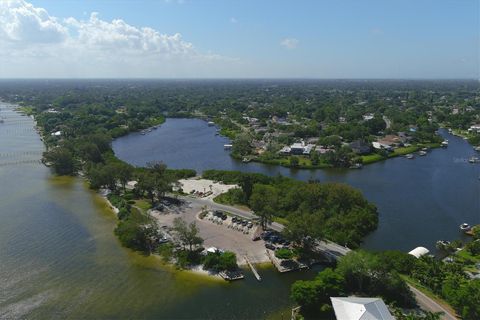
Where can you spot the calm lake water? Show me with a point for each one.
(59, 258)
(420, 201)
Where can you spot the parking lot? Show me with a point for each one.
(226, 234)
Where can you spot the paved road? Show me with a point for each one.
(429, 304)
(388, 123)
(332, 249)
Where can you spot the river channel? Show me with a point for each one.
(420, 201)
(59, 258)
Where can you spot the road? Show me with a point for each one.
(332, 249)
(428, 304)
(388, 123)
(247, 214)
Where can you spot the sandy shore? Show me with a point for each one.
(204, 185)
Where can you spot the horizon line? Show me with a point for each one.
(239, 78)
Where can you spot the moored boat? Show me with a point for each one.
(422, 153)
(409, 156)
(465, 227)
(474, 160)
(442, 244)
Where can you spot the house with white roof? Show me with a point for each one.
(356, 308)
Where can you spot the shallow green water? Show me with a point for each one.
(60, 259)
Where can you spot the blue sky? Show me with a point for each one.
(262, 38)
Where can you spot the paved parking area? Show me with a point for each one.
(217, 235)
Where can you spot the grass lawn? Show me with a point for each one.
(143, 204)
(468, 260)
(404, 150)
(371, 158)
(303, 162)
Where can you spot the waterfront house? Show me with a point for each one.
(389, 142)
(298, 148)
(361, 147)
(356, 308)
(323, 150)
(474, 128)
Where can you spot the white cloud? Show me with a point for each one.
(31, 39)
(118, 36)
(21, 22)
(289, 43)
(233, 20)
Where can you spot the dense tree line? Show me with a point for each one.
(313, 210)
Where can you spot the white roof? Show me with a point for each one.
(419, 251)
(354, 308)
(297, 145)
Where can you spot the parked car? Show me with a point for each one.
(269, 246)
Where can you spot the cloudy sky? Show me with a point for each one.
(239, 39)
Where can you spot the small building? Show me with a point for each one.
(285, 150)
(356, 308)
(474, 128)
(388, 142)
(297, 148)
(361, 147)
(56, 134)
(380, 146)
(419, 251)
(323, 150)
(368, 116)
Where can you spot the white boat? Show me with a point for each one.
(422, 153)
(227, 146)
(465, 227)
(444, 144)
(409, 156)
(477, 148)
(211, 123)
(442, 244)
(474, 160)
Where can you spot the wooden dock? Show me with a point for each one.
(254, 270)
(231, 275)
(286, 265)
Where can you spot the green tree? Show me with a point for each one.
(264, 202)
(294, 162)
(187, 234)
(315, 294)
(241, 145)
(124, 173)
(304, 230)
(62, 160)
